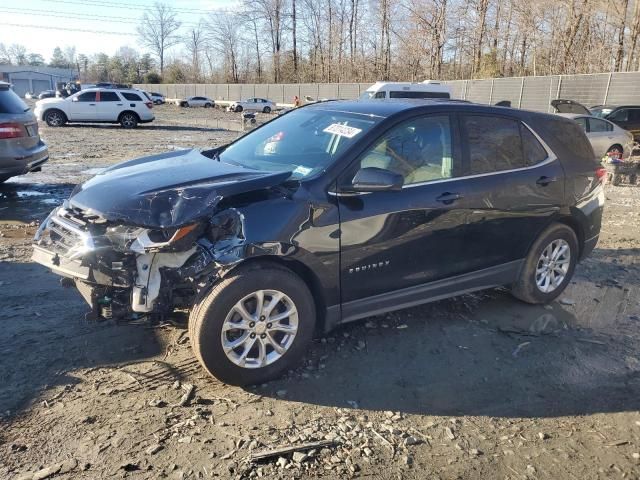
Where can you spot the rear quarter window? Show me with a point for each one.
(11, 103)
(133, 97)
(494, 143)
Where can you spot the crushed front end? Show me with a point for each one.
(129, 272)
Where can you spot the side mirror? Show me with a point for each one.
(373, 179)
(74, 99)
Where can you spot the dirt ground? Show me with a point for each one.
(480, 386)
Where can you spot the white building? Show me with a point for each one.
(25, 78)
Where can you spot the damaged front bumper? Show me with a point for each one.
(125, 272)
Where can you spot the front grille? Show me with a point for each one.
(65, 234)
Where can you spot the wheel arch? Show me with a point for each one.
(297, 267)
(575, 225)
(128, 111)
(56, 109)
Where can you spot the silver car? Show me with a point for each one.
(606, 137)
(253, 104)
(205, 102)
(21, 149)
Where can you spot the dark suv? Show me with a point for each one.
(330, 213)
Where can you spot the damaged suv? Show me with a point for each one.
(330, 213)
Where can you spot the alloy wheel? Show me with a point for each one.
(128, 121)
(553, 265)
(54, 119)
(259, 329)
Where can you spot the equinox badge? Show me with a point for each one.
(368, 267)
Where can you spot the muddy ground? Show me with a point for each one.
(480, 386)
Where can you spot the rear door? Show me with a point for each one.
(392, 240)
(109, 106)
(83, 107)
(514, 187)
(600, 134)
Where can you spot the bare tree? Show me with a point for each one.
(224, 36)
(157, 30)
(195, 42)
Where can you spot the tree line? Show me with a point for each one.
(292, 41)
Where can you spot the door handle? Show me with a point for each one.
(448, 198)
(544, 181)
(92, 104)
(119, 104)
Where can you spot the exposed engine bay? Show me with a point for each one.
(146, 236)
(129, 272)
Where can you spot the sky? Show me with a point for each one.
(91, 26)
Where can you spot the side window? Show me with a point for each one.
(419, 149)
(621, 115)
(380, 95)
(494, 143)
(131, 97)
(109, 97)
(582, 121)
(87, 97)
(599, 126)
(534, 152)
(634, 115)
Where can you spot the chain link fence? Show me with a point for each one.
(532, 93)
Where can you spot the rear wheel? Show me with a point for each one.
(128, 120)
(266, 110)
(615, 151)
(55, 118)
(549, 265)
(253, 325)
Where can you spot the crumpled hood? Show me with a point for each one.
(167, 190)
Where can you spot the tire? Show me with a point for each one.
(128, 120)
(266, 110)
(527, 287)
(207, 105)
(218, 309)
(616, 149)
(239, 108)
(633, 178)
(55, 118)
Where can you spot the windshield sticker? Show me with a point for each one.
(304, 171)
(342, 130)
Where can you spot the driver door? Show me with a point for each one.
(392, 240)
(83, 107)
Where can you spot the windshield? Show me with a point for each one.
(367, 95)
(303, 141)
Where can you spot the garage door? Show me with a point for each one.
(20, 86)
(40, 86)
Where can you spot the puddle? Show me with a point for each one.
(26, 202)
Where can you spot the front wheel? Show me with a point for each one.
(549, 265)
(207, 105)
(253, 325)
(238, 108)
(266, 110)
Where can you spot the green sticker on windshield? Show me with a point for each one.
(342, 130)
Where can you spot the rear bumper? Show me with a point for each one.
(148, 120)
(19, 162)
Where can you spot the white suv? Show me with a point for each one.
(127, 107)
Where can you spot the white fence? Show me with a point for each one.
(532, 93)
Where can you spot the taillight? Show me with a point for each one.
(12, 130)
(601, 174)
(149, 104)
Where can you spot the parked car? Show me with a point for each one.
(253, 104)
(196, 102)
(127, 107)
(21, 148)
(426, 89)
(626, 116)
(47, 94)
(157, 98)
(606, 137)
(363, 208)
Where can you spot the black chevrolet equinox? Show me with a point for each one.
(330, 213)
